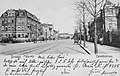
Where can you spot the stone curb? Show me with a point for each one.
(86, 50)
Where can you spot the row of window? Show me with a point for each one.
(12, 21)
(13, 14)
(7, 21)
(6, 28)
(18, 35)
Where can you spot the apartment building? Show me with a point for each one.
(19, 25)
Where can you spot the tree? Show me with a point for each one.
(93, 7)
(82, 18)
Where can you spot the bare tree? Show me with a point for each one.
(83, 18)
(93, 7)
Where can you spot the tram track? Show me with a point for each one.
(26, 50)
(49, 48)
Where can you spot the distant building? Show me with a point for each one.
(19, 24)
(55, 34)
(47, 30)
(64, 35)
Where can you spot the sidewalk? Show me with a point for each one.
(102, 49)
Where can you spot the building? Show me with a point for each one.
(64, 35)
(55, 34)
(99, 28)
(47, 30)
(118, 18)
(110, 19)
(20, 25)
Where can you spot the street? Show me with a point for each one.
(49, 47)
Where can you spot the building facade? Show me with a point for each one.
(118, 19)
(99, 28)
(47, 30)
(107, 19)
(19, 25)
(110, 18)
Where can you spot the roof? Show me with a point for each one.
(25, 13)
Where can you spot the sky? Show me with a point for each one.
(58, 12)
(61, 13)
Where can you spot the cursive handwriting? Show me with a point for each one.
(64, 64)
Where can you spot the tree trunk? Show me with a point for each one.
(95, 30)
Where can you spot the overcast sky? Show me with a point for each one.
(58, 12)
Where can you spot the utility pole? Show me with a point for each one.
(95, 31)
(84, 23)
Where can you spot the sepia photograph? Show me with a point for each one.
(60, 34)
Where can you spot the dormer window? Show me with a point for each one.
(13, 14)
(9, 14)
(5, 14)
(21, 14)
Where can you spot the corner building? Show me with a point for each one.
(19, 25)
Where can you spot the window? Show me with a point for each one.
(12, 27)
(3, 22)
(26, 36)
(9, 14)
(22, 28)
(12, 35)
(18, 28)
(28, 26)
(9, 28)
(12, 14)
(12, 21)
(6, 28)
(22, 35)
(2, 28)
(9, 20)
(18, 35)
(21, 14)
(8, 35)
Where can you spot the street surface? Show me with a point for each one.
(49, 47)
(55, 47)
